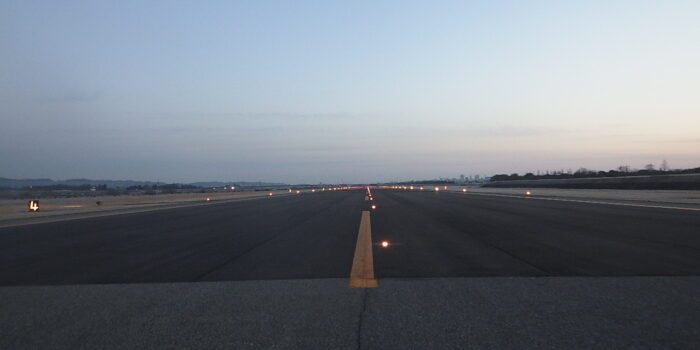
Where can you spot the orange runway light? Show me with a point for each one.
(385, 244)
(374, 207)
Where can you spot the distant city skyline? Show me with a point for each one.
(309, 92)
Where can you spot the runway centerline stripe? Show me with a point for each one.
(362, 272)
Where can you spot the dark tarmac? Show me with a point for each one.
(461, 271)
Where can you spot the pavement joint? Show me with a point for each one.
(361, 318)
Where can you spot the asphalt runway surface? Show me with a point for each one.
(457, 235)
(313, 235)
(287, 237)
(461, 271)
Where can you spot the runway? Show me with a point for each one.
(459, 271)
(314, 235)
(448, 234)
(305, 236)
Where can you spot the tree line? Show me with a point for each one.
(623, 170)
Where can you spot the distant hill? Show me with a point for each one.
(21, 183)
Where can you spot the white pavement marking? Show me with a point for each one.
(580, 201)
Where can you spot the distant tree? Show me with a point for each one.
(622, 170)
(499, 177)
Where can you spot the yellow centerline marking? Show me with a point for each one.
(362, 272)
(583, 201)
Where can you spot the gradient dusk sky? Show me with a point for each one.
(324, 91)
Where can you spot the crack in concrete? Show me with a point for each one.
(361, 317)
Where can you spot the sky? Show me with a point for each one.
(325, 91)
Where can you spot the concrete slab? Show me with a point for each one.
(534, 313)
(445, 313)
(302, 314)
